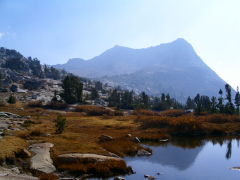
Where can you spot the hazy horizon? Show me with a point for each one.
(55, 31)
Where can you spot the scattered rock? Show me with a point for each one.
(9, 115)
(119, 178)
(42, 160)
(143, 152)
(129, 135)
(105, 138)
(163, 140)
(235, 168)
(149, 177)
(137, 140)
(4, 125)
(15, 170)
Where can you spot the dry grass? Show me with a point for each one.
(173, 113)
(105, 168)
(97, 110)
(146, 112)
(11, 145)
(122, 146)
(190, 124)
(34, 104)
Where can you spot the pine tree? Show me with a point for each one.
(197, 100)
(237, 100)
(114, 99)
(213, 104)
(144, 100)
(72, 87)
(229, 108)
(220, 104)
(94, 94)
(190, 103)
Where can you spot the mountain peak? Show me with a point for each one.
(181, 41)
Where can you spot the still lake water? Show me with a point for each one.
(190, 159)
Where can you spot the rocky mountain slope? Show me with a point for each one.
(14, 67)
(173, 68)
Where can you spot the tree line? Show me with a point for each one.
(121, 99)
(227, 104)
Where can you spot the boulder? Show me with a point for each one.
(42, 161)
(149, 177)
(137, 140)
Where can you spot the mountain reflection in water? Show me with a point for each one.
(187, 159)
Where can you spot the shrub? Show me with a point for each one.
(144, 112)
(173, 112)
(12, 99)
(219, 118)
(186, 125)
(60, 124)
(154, 121)
(35, 104)
(58, 105)
(36, 132)
(94, 110)
(106, 168)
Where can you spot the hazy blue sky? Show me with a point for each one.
(56, 30)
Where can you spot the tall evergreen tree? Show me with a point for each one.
(94, 94)
(114, 99)
(237, 100)
(213, 104)
(72, 87)
(144, 100)
(229, 108)
(190, 104)
(197, 100)
(220, 104)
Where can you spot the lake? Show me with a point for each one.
(183, 159)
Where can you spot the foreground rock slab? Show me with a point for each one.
(10, 174)
(42, 161)
(90, 157)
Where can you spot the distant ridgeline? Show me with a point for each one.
(14, 67)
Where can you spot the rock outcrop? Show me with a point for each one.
(42, 161)
(88, 157)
